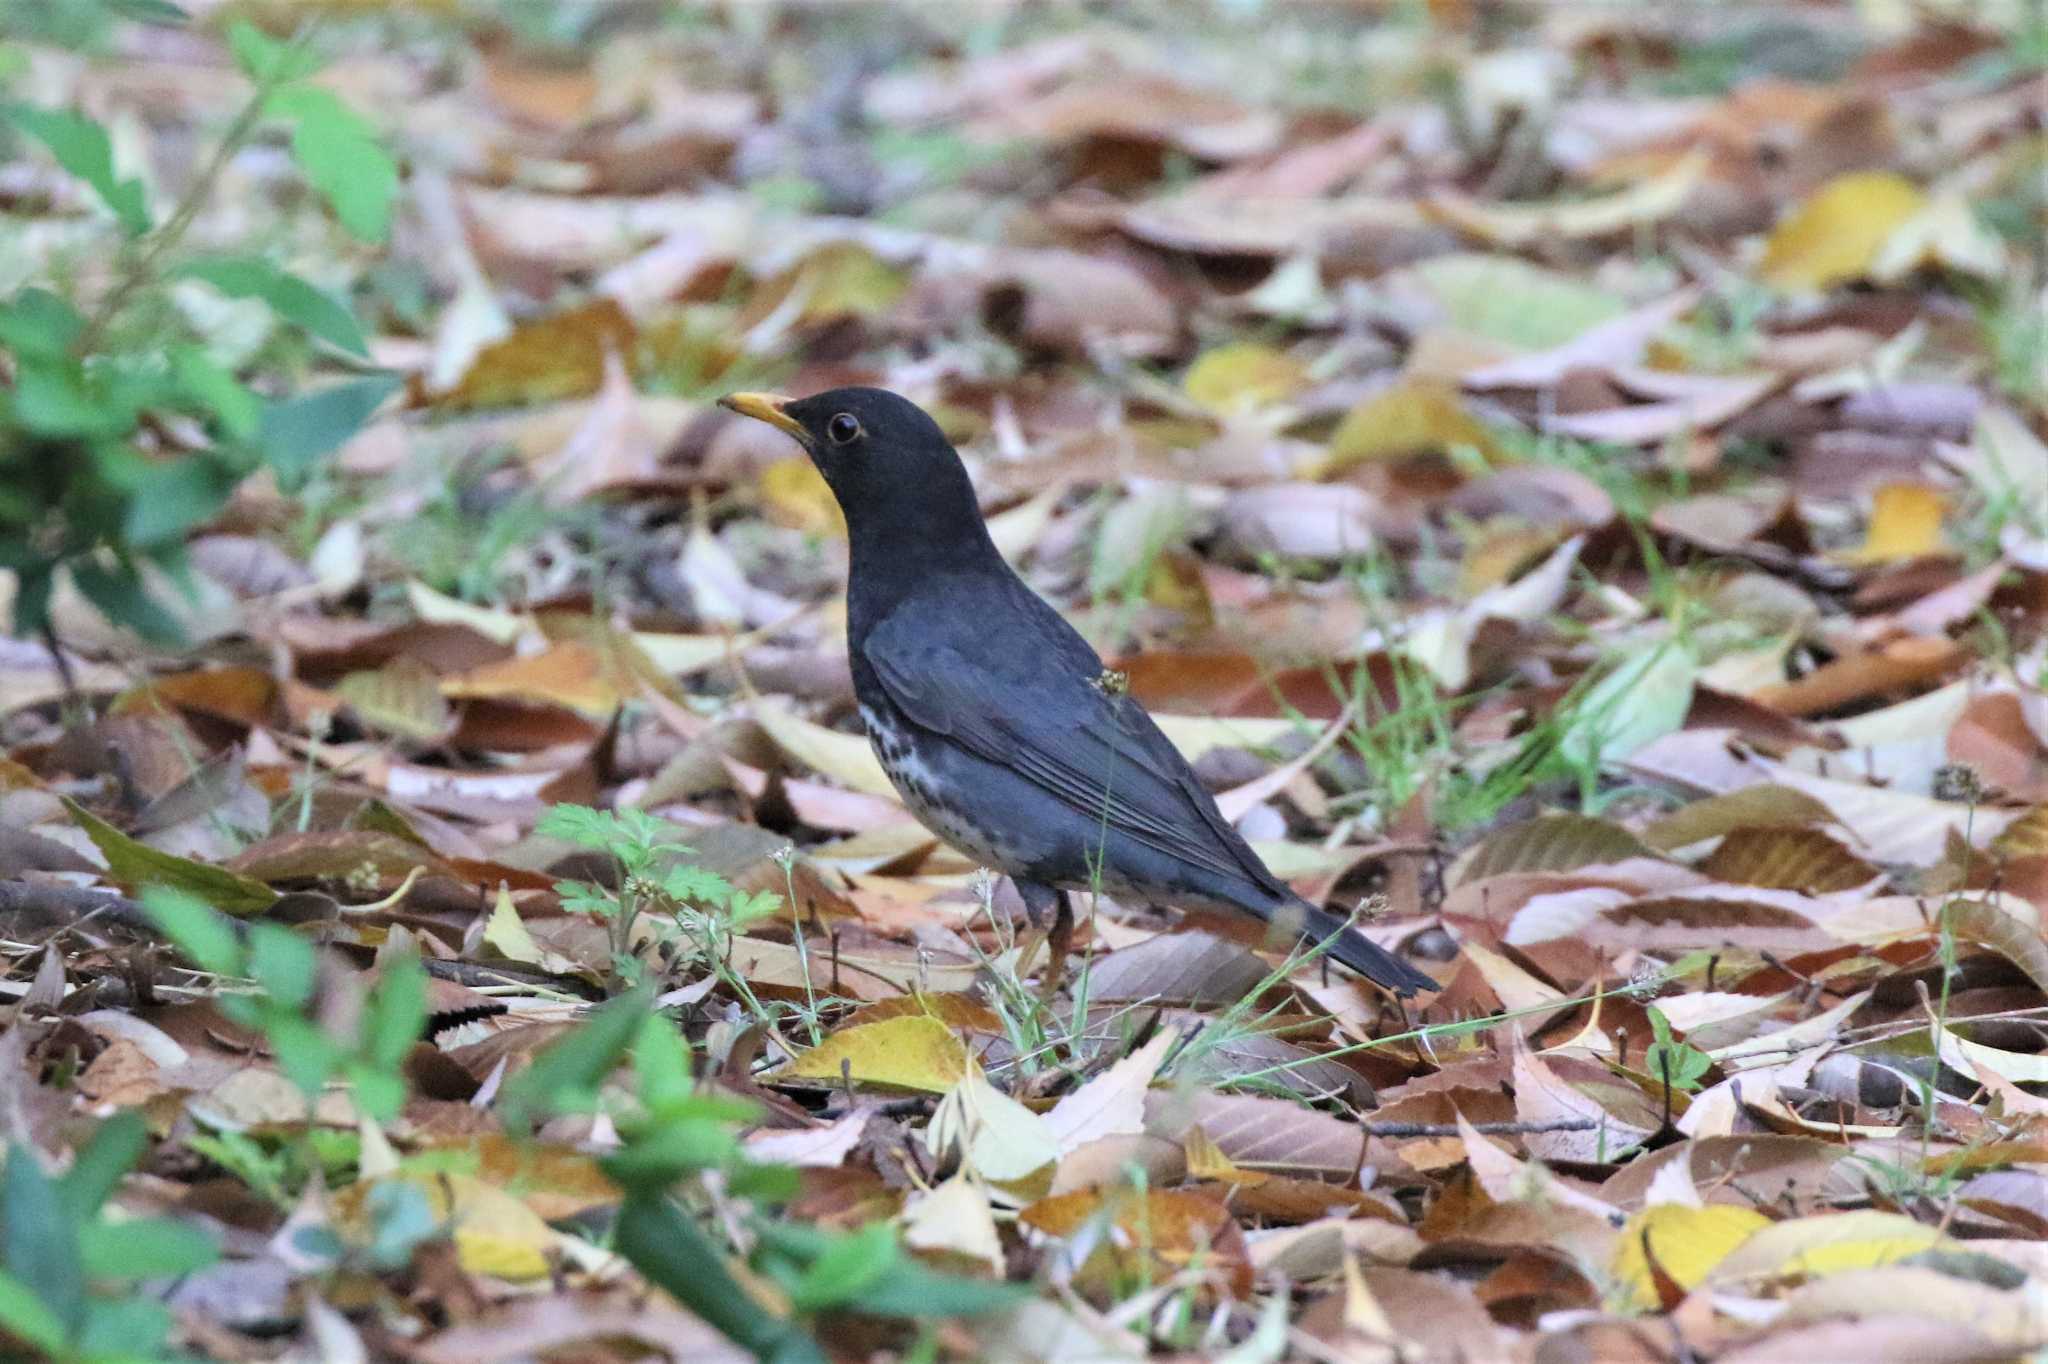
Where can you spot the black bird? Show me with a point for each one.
(996, 721)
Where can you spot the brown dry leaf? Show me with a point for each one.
(1173, 1229)
(1900, 665)
(1553, 1087)
(1761, 806)
(570, 675)
(1789, 859)
(1836, 235)
(547, 360)
(1549, 843)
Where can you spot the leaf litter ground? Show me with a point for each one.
(1573, 481)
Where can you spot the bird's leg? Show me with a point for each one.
(1058, 943)
(1037, 896)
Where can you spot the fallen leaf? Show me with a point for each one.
(1837, 233)
(912, 1052)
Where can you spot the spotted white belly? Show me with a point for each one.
(919, 786)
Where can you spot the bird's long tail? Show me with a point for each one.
(1354, 949)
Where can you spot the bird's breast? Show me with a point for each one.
(916, 768)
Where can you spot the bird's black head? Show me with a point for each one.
(897, 478)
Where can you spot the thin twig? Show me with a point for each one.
(1500, 1129)
(141, 262)
(67, 905)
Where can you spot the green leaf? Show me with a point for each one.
(39, 1238)
(124, 1330)
(213, 390)
(82, 147)
(912, 1289)
(264, 59)
(24, 1314)
(908, 1289)
(185, 492)
(846, 1269)
(98, 1166)
(583, 826)
(658, 1158)
(307, 1056)
(1679, 1064)
(119, 593)
(283, 963)
(1642, 699)
(379, 1091)
(673, 1253)
(400, 1218)
(298, 432)
(144, 1248)
(397, 1012)
(162, 13)
(661, 1060)
(339, 153)
(52, 398)
(565, 1074)
(205, 936)
(36, 322)
(296, 301)
(136, 867)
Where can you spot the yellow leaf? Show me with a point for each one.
(1415, 416)
(1814, 1246)
(494, 1232)
(1244, 375)
(402, 698)
(846, 758)
(1206, 1161)
(1905, 523)
(839, 279)
(1686, 1242)
(795, 494)
(1514, 225)
(507, 934)
(954, 1217)
(1837, 233)
(913, 1052)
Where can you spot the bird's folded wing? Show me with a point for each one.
(1099, 753)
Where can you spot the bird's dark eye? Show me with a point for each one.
(843, 427)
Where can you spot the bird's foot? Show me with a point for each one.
(1059, 942)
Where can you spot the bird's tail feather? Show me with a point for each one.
(1354, 949)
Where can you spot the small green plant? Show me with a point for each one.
(119, 429)
(284, 967)
(1678, 1064)
(653, 875)
(68, 1270)
(673, 1134)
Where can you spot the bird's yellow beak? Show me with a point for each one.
(766, 407)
